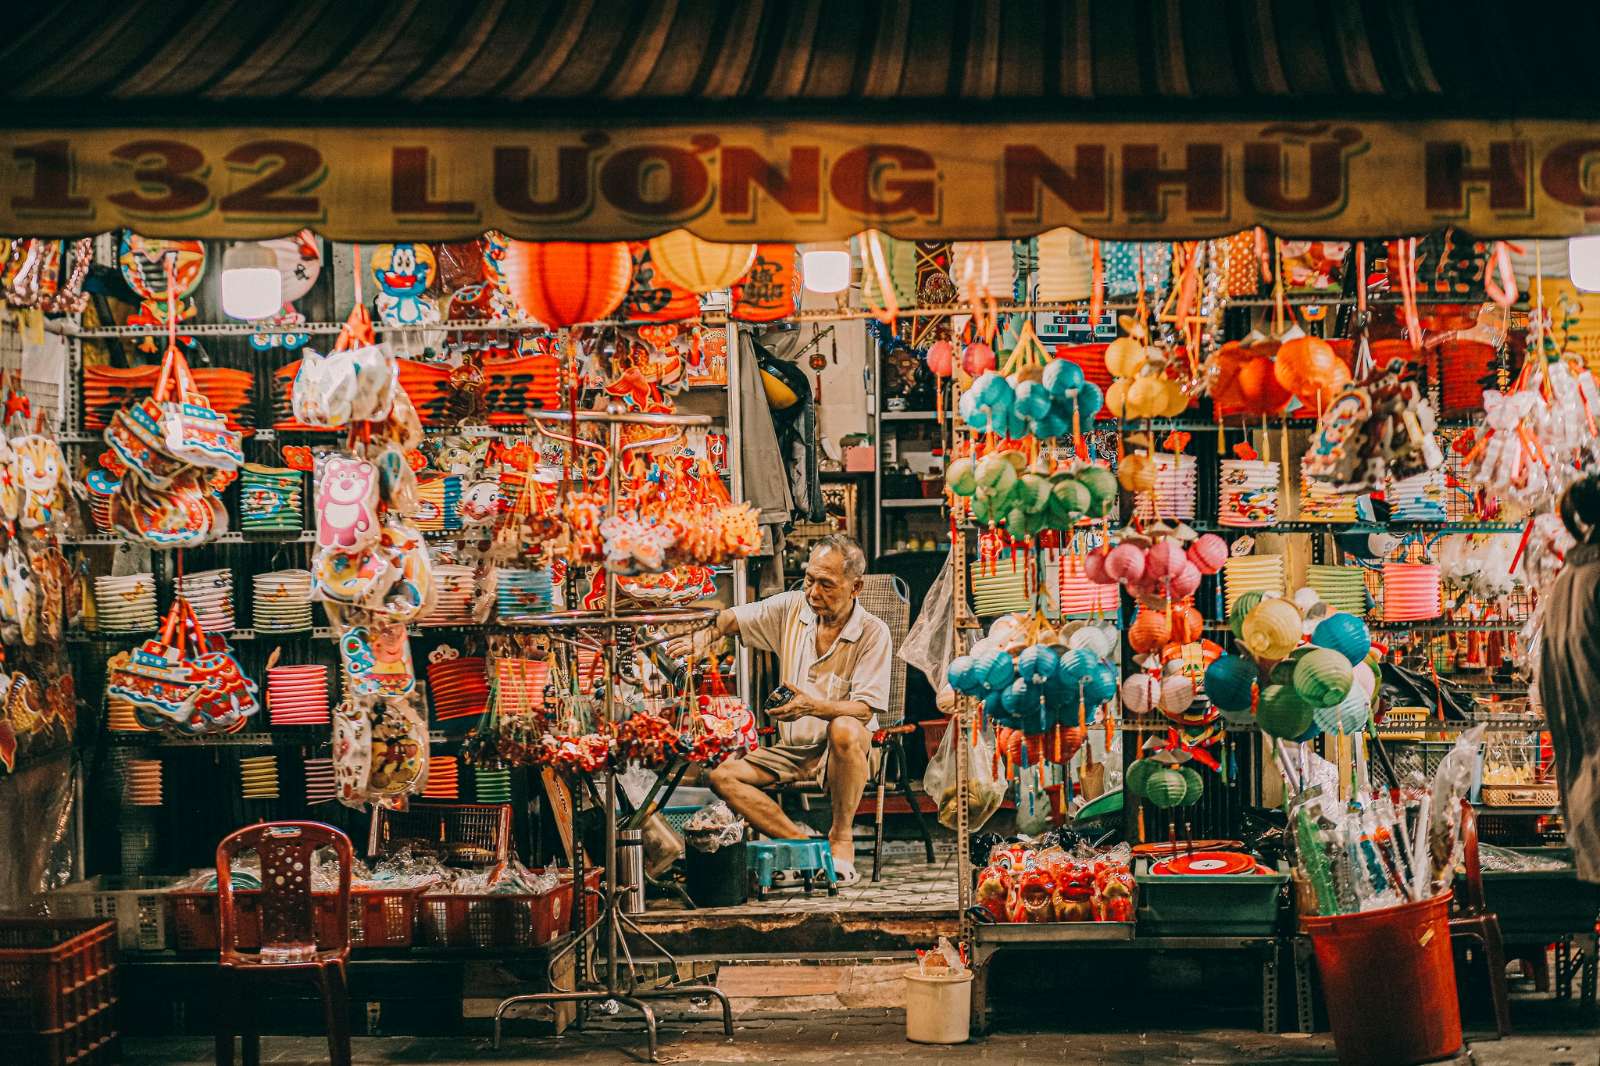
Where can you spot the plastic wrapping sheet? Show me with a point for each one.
(36, 812)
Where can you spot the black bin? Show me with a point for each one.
(716, 878)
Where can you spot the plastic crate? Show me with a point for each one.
(465, 834)
(379, 918)
(137, 904)
(505, 920)
(87, 1042)
(54, 972)
(1209, 905)
(678, 816)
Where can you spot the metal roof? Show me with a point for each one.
(244, 61)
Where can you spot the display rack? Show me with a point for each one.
(619, 978)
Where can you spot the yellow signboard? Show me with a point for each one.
(804, 181)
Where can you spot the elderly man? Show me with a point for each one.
(835, 657)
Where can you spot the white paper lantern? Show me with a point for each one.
(1583, 261)
(1066, 271)
(252, 288)
(1177, 694)
(825, 268)
(1140, 693)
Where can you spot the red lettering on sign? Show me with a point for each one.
(799, 192)
(298, 170)
(863, 181)
(1448, 179)
(655, 180)
(514, 179)
(1145, 181)
(52, 180)
(1565, 175)
(174, 170)
(1269, 173)
(1028, 171)
(408, 186)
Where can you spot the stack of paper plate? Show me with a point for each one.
(1344, 588)
(458, 688)
(491, 786)
(258, 775)
(1174, 495)
(1418, 499)
(120, 717)
(281, 601)
(1001, 588)
(210, 593)
(1252, 573)
(141, 782)
(443, 778)
(1320, 503)
(1410, 592)
(454, 588)
(270, 499)
(321, 786)
(1076, 594)
(298, 695)
(523, 594)
(1249, 493)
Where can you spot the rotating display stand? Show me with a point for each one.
(611, 974)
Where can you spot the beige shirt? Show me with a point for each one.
(855, 668)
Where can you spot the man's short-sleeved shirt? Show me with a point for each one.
(855, 668)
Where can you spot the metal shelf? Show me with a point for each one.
(911, 416)
(935, 502)
(305, 536)
(1361, 527)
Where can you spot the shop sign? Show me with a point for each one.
(800, 181)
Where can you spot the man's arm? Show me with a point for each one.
(805, 704)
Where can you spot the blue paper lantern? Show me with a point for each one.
(1037, 664)
(1099, 685)
(994, 707)
(964, 676)
(998, 670)
(1061, 377)
(1348, 716)
(1229, 684)
(1031, 400)
(1090, 400)
(1345, 634)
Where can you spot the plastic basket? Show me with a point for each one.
(87, 1042)
(379, 918)
(1209, 905)
(54, 972)
(137, 904)
(505, 920)
(467, 834)
(677, 816)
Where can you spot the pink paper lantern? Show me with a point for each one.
(1164, 559)
(1125, 563)
(1208, 553)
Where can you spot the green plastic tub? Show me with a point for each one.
(1209, 905)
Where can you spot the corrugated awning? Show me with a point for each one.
(813, 119)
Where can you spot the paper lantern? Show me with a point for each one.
(1208, 553)
(1344, 633)
(1138, 774)
(1282, 713)
(1187, 625)
(1230, 683)
(697, 265)
(564, 283)
(998, 670)
(1259, 388)
(1099, 641)
(1147, 396)
(1140, 693)
(1099, 685)
(1037, 664)
(1062, 742)
(965, 675)
(1242, 607)
(1094, 567)
(1165, 788)
(1364, 678)
(1195, 786)
(1137, 472)
(1151, 630)
(1185, 581)
(1125, 357)
(1347, 716)
(977, 358)
(941, 358)
(1117, 398)
(1125, 562)
(1102, 486)
(1323, 677)
(1272, 630)
(1177, 695)
(1063, 377)
(1164, 558)
(1066, 270)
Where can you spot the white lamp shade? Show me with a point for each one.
(1583, 260)
(826, 270)
(252, 287)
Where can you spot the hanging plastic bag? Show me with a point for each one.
(930, 643)
(1033, 802)
(986, 788)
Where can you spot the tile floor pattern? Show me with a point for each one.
(909, 885)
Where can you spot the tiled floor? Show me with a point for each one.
(909, 885)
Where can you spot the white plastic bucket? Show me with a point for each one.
(938, 1008)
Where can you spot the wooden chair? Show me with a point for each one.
(1472, 922)
(290, 945)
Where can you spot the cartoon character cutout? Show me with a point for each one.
(347, 504)
(38, 469)
(300, 265)
(404, 271)
(142, 261)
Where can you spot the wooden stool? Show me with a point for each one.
(809, 857)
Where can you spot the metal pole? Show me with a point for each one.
(735, 434)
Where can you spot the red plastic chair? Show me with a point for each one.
(289, 944)
(1474, 921)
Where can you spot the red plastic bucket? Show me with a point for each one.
(1389, 980)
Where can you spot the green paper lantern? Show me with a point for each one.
(1349, 716)
(1137, 775)
(1070, 498)
(1323, 677)
(1033, 492)
(1166, 788)
(1102, 486)
(1241, 607)
(1282, 713)
(995, 473)
(962, 476)
(1283, 672)
(1194, 786)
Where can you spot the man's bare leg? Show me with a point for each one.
(848, 745)
(739, 784)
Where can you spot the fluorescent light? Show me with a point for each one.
(825, 268)
(252, 288)
(1583, 263)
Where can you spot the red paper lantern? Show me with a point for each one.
(563, 283)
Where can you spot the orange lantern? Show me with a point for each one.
(697, 265)
(563, 283)
(1187, 625)
(1311, 369)
(1259, 388)
(651, 297)
(766, 291)
(1149, 631)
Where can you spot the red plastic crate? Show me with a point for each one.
(379, 918)
(87, 1042)
(54, 972)
(506, 920)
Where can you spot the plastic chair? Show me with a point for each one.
(290, 947)
(1473, 921)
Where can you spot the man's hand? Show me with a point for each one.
(803, 705)
(699, 643)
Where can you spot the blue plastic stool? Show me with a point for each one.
(810, 857)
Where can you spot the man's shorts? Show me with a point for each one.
(801, 763)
